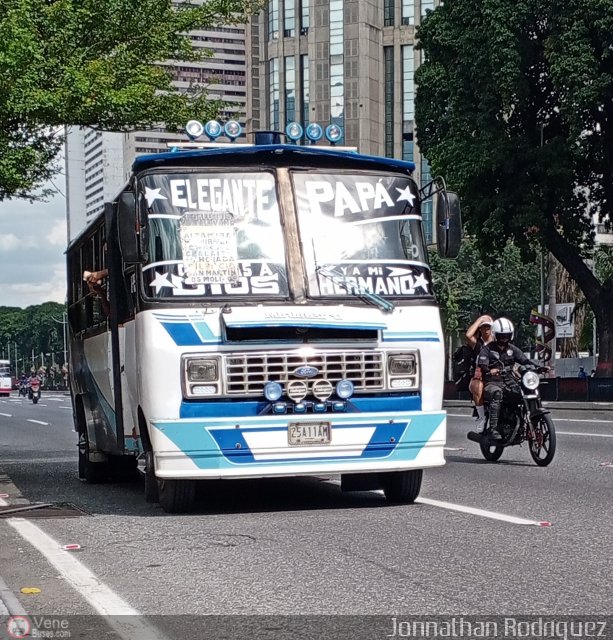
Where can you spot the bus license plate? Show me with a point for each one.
(303, 433)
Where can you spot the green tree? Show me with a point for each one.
(93, 63)
(501, 284)
(36, 329)
(515, 106)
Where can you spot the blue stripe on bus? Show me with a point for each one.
(222, 448)
(184, 334)
(234, 409)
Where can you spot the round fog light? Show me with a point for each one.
(273, 391)
(322, 389)
(297, 390)
(344, 389)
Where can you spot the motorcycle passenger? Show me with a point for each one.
(477, 335)
(496, 360)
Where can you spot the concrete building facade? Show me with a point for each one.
(347, 62)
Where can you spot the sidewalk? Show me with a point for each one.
(581, 406)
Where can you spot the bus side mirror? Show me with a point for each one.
(126, 225)
(448, 224)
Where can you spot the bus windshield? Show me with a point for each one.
(362, 232)
(214, 234)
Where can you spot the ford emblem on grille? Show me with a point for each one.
(306, 372)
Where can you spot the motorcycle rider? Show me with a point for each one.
(495, 360)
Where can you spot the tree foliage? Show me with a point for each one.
(514, 106)
(34, 330)
(93, 63)
(501, 284)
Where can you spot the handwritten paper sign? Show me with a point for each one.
(208, 241)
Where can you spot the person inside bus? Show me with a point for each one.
(94, 282)
(477, 335)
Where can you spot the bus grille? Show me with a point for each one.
(247, 373)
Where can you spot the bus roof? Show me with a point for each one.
(310, 155)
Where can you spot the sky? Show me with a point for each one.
(32, 244)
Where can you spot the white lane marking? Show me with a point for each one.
(37, 422)
(8, 415)
(579, 433)
(493, 515)
(69, 408)
(36, 460)
(103, 599)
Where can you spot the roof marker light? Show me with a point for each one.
(213, 129)
(294, 131)
(333, 133)
(194, 129)
(314, 132)
(233, 129)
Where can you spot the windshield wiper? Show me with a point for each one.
(355, 290)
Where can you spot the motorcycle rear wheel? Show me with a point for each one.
(490, 452)
(543, 447)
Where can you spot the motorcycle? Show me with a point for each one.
(23, 389)
(522, 419)
(34, 391)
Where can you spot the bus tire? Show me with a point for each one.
(402, 487)
(176, 496)
(90, 472)
(152, 493)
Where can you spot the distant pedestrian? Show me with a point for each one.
(582, 373)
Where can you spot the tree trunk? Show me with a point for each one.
(598, 295)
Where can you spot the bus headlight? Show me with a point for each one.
(530, 380)
(402, 371)
(200, 376)
(402, 365)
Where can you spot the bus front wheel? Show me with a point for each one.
(176, 496)
(402, 487)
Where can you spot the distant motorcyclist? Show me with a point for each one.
(496, 361)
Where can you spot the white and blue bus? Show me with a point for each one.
(271, 314)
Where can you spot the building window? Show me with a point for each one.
(273, 93)
(304, 17)
(408, 12)
(388, 13)
(426, 207)
(337, 84)
(425, 6)
(408, 84)
(389, 101)
(273, 19)
(304, 83)
(289, 19)
(290, 89)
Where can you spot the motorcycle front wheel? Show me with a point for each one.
(490, 452)
(543, 441)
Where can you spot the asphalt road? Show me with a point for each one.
(300, 546)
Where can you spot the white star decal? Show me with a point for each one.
(152, 195)
(421, 281)
(160, 281)
(405, 194)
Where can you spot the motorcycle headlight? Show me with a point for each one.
(530, 380)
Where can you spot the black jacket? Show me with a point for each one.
(492, 355)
